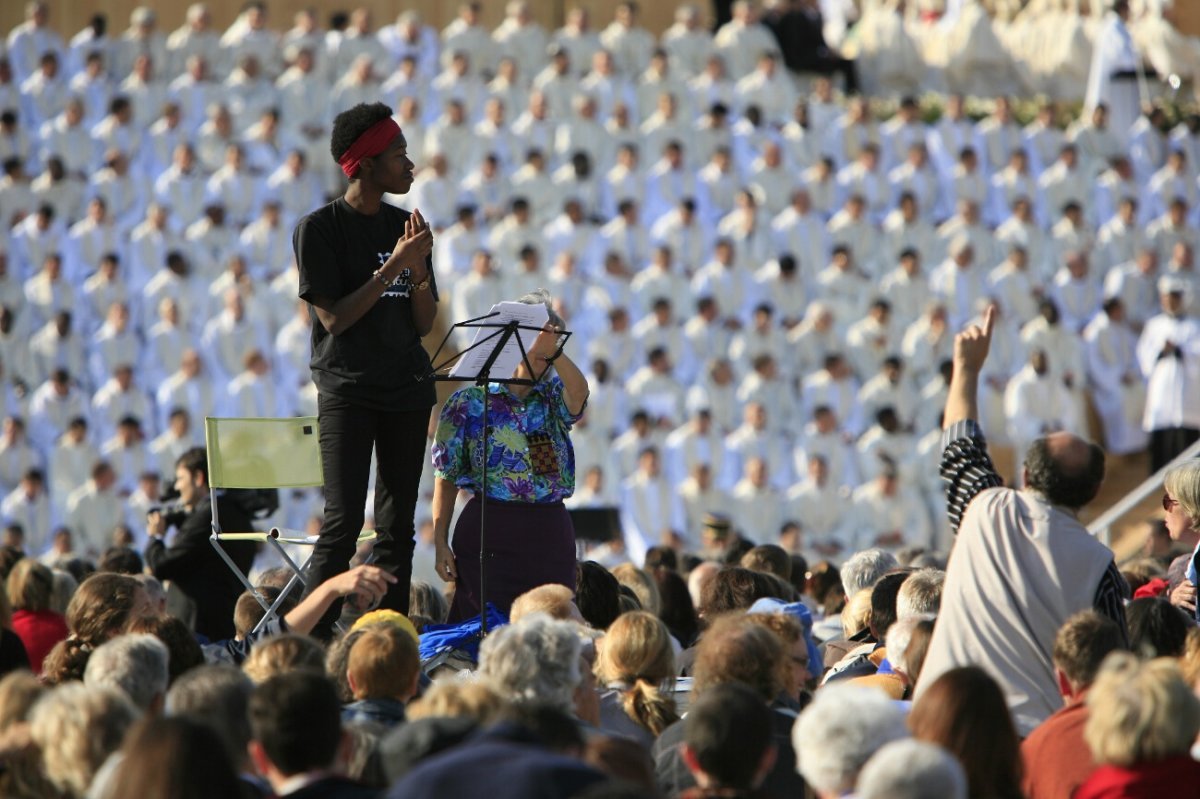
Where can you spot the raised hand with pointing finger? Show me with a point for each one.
(971, 346)
(970, 352)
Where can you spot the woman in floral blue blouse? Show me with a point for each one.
(530, 468)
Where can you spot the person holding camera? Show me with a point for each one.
(191, 562)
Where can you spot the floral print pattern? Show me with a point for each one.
(458, 456)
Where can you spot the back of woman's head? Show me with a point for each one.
(103, 606)
(964, 711)
(636, 647)
(1156, 628)
(77, 727)
(675, 605)
(174, 758)
(283, 653)
(1140, 711)
(734, 588)
(30, 586)
(638, 654)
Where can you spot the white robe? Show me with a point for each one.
(1114, 53)
(1034, 406)
(1117, 388)
(873, 514)
(649, 506)
(1172, 384)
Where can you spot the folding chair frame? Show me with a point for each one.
(271, 538)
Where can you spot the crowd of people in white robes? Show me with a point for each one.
(762, 278)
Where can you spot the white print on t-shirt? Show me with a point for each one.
(402, 287)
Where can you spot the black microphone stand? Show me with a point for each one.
(501, 333)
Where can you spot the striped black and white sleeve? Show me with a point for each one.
(1110, 599)
(966, 467)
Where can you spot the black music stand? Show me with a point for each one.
(496, 340)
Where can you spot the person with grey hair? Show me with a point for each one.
(864, 569)
(920, 594)
(135, 664)
(838, 733)
(531, 470)
(217, 695)
(535, 660)
(910, 769)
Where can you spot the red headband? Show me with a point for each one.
(372, 142)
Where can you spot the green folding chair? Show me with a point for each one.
(264, 453)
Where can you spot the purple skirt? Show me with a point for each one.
(528, 544)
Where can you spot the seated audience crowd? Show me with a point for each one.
(800, 315)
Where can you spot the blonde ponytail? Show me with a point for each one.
(649, 706)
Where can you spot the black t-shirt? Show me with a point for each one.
(377, 361)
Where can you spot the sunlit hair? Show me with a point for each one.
(473, 699)
(1182, 482)
(1140, 711)
(383, 663)
(77, 728)
(284, 653)
(856, 614)
(554, 600)
(30, 586)
(837, 734)
(134, 664)
(637, 656)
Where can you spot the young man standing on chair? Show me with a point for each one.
(366, 274)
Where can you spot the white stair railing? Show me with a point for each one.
(1101, 526)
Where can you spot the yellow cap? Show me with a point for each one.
(385, 616)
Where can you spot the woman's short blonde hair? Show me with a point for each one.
(856, 615)
(1140, 711)
(1182, 482)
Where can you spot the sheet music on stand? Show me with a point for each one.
(473, 361)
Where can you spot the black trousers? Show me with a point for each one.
(1167, 442)
(349, 433)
